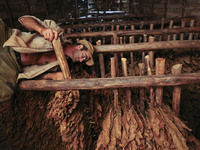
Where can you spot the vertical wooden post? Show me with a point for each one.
(191, 25)
(46, 9)
(113, 74)
(90, 39)
(170, 26)
(76, 9)
(176, 69)
(162, 27)
(165, 8)
(128, 91)
(182, 26)
(9, 13)
(121, 42)
(104, 40)
(141, 68)
(97, 5)
(101, 62)
(131, 40)
(84, 30)
(151, 96)
(115, 54)
(160, 70)
(151, 53)
(174, 35)
(183, 9)
(143, 52)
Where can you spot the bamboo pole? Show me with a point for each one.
(113, 74)
(142, 70)
(101, 61)
(106, 83)
(128, 91)
(151, 92)
(176, 70)
(160, 70)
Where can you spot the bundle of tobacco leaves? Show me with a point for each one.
(129, 129)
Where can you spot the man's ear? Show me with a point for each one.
(80, 46)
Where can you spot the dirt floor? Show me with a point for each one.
(25, 125)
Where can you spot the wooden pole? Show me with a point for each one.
(151, 92)
(131, 40)
(135, 32)
(121, 42)
(151, 53)
(160, 70)
(105, 83)
(162, 27)
(46, 9)
(142, 70)
(182, 26)
(191, 25)
(101, 61)
(176, 70)
(146, 46)
(113, 74)
(128, 91)
(61, 58)
(170, 26)
(116, 54)
(9, 13)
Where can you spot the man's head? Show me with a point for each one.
(90, 51)
(81, 52)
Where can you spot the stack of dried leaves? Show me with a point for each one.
(73, 119)
(127, 129)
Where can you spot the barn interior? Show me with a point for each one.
(141, 93)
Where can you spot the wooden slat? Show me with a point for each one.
(104, 83)
(148, 46)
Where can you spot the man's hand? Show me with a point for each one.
(49, 34)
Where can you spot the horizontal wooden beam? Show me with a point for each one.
(147, 46)
(134, 32)
(104, 83)
(104, 18)
(128, 23)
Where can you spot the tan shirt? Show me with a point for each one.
(24, 42)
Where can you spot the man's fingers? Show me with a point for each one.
(55, 34)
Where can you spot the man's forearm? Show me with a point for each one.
(31, 24)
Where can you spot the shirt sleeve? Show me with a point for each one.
(47, 24)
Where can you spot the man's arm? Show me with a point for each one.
(52, 76)
(31, 24)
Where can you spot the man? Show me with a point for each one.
(35, 49)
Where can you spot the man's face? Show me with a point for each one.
(80, 55)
